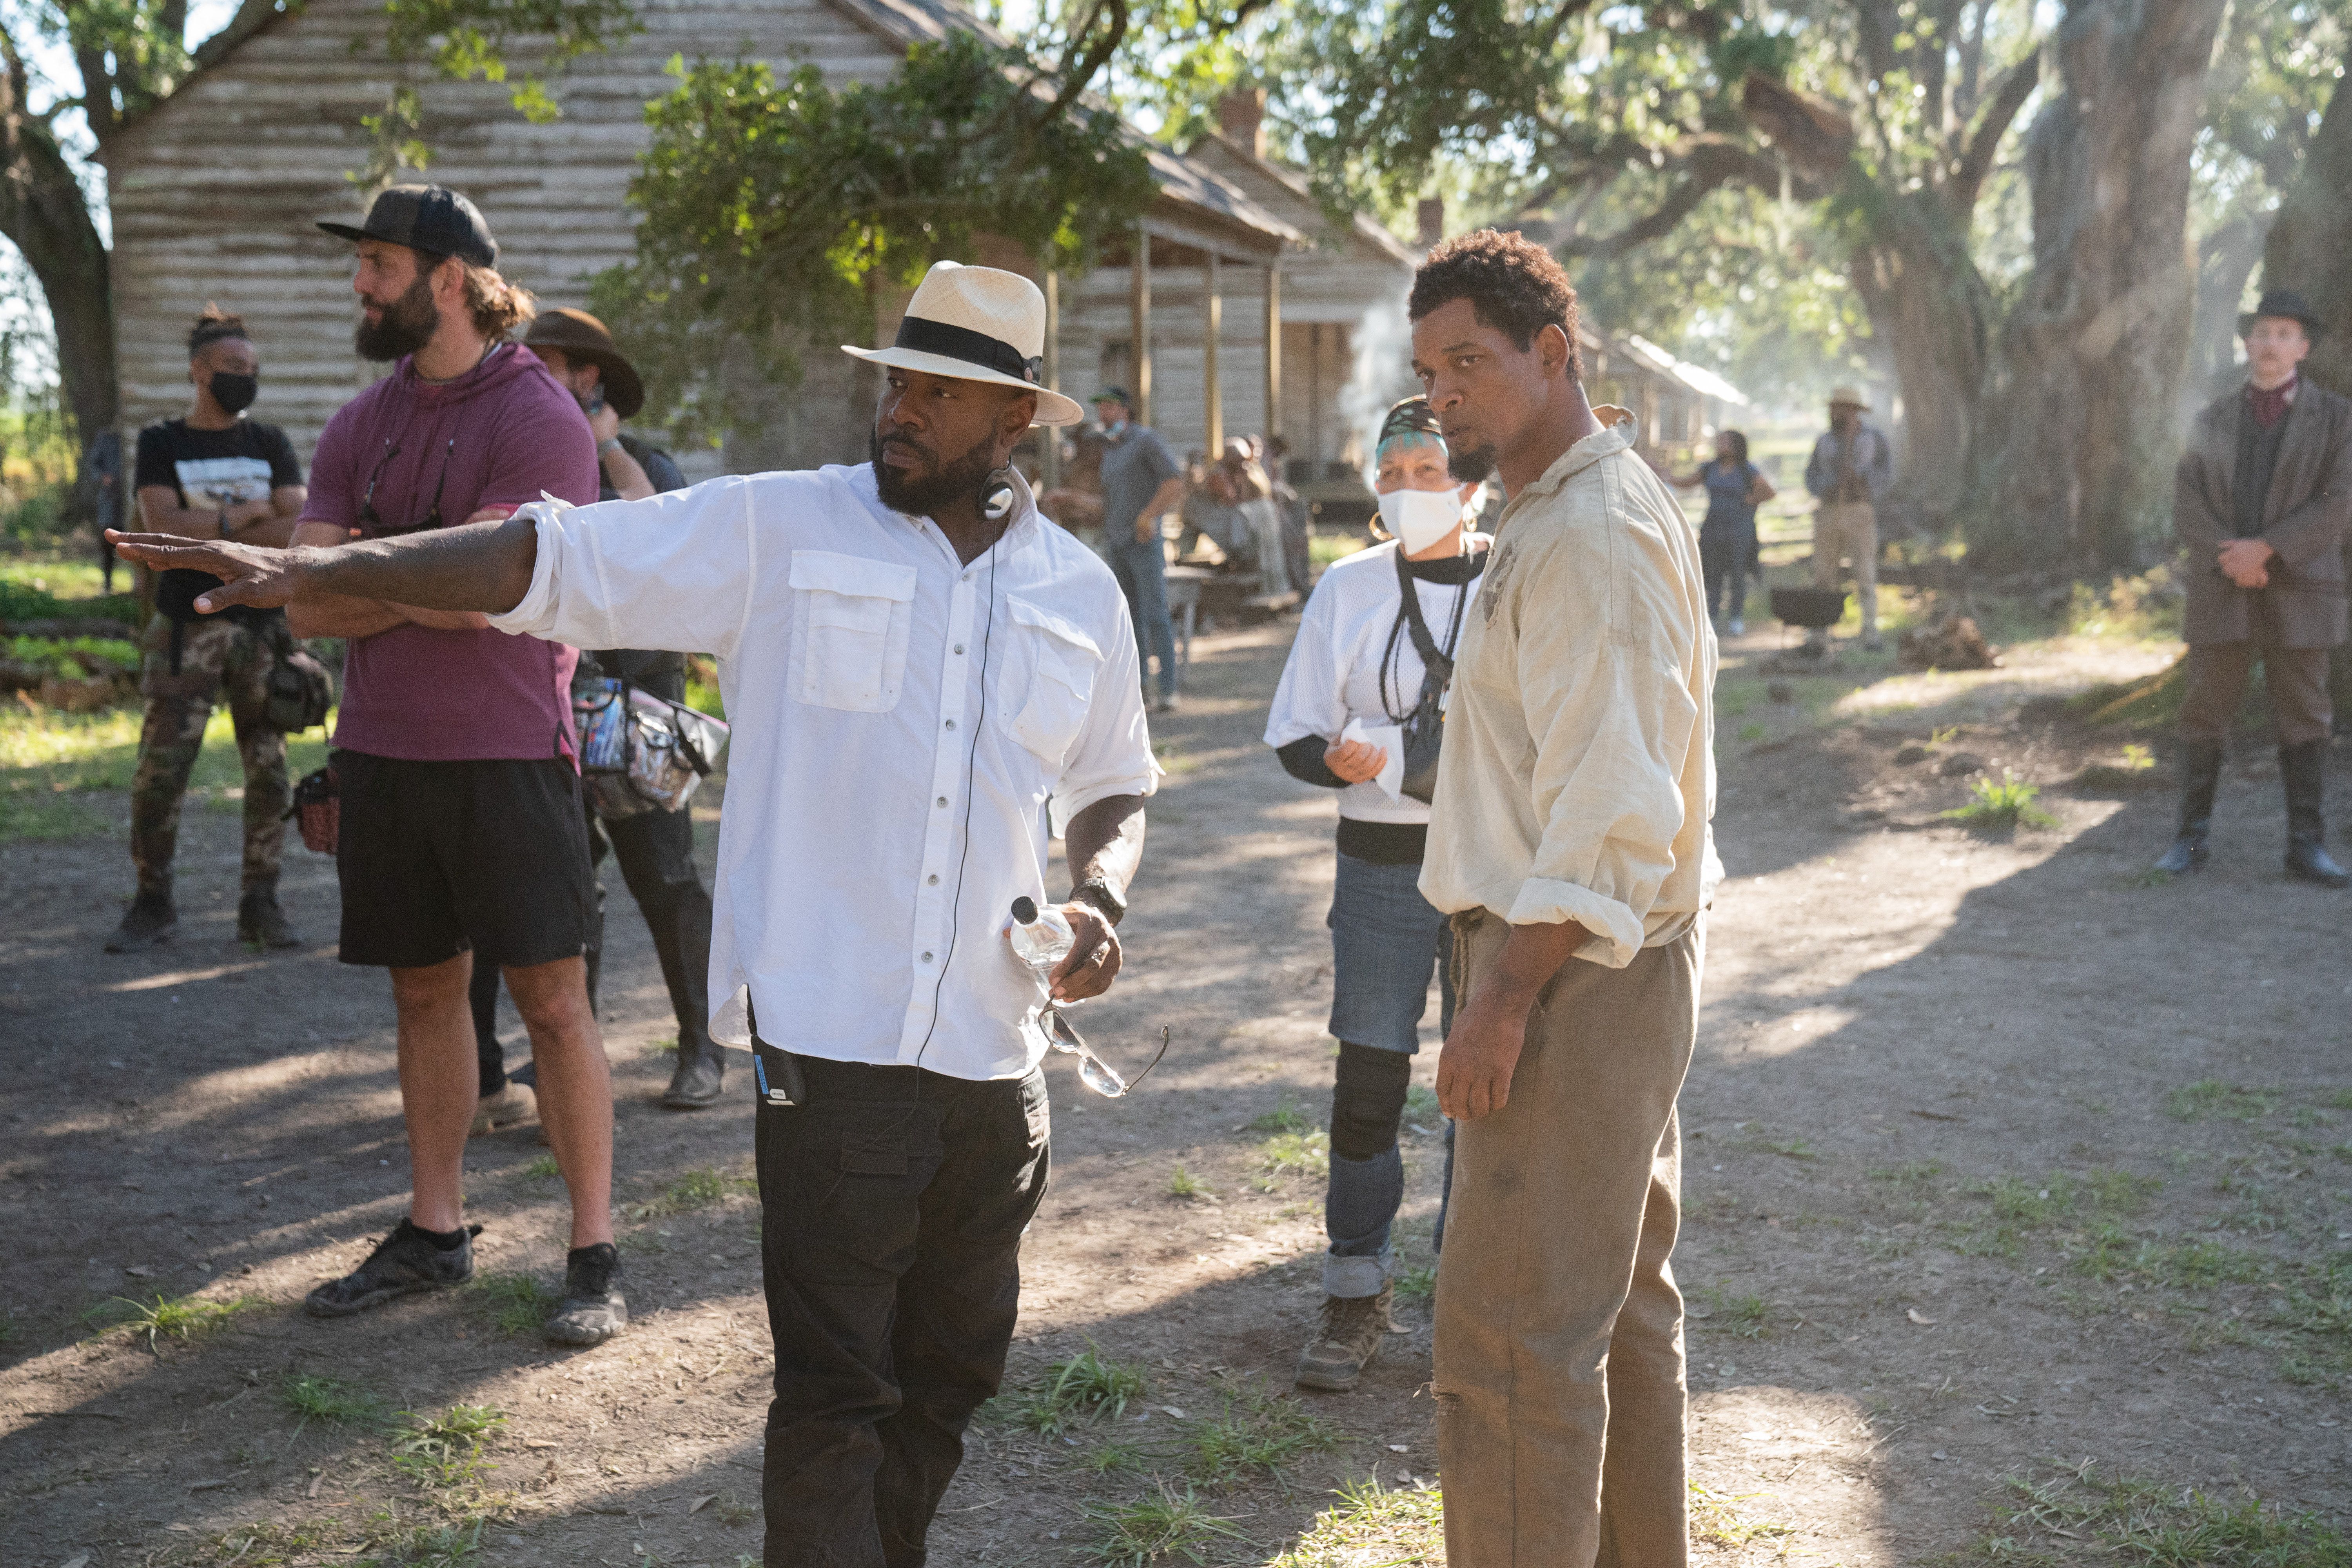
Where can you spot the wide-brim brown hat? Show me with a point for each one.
(2284, 303)
(582, 336)
(977, 323)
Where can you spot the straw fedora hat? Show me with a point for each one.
(977, 323)
(1847, 397)
(582, 337)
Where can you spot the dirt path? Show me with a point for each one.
(1997, 1159)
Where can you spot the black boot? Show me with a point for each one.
(260, 922)
(2304, 772)
(2200, 774)
(150, 919)
(700, 1080)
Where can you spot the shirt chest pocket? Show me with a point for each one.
(852, 617)
(1048, 681)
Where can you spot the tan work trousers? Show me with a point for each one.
(1849, 528)
(1559, 1331)
(2216, 686)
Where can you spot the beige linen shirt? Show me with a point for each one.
(1576, 780)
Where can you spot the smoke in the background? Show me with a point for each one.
(1382, 373)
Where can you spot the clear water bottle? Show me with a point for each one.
(1041, 938)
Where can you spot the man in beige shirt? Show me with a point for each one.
(1569, 843)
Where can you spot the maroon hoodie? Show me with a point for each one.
(494, 438)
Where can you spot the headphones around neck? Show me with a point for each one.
(996, 496)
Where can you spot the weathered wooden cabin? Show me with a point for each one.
(216, 193)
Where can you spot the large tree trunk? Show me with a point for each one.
(2094, 352)
(2310, 251)
(1929, 305)
(2310, 244)
(43, 211)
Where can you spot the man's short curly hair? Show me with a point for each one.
(1516, 286)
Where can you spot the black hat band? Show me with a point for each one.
(952, 341)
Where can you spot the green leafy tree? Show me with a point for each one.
(1605, 130)
(770, 208)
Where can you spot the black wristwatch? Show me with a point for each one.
(1096, 893)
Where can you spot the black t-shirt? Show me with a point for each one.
(211, 469)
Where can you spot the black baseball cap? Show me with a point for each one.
(433, 219)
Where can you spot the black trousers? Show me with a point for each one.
(893, 1205)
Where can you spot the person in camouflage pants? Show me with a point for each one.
(218, 657)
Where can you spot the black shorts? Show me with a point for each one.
(439, 857)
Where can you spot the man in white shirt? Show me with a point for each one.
(919, 669)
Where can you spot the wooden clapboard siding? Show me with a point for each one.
(214, 196)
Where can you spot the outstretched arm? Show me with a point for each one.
(481, 566)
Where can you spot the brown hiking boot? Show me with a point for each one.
(150, 919)
(1347, 1341)
(260, 923)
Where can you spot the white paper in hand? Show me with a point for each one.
(1390, 739)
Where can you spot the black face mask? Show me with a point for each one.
(235, 393)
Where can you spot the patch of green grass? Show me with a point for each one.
(48, 758)
(1167, 1524)
(1116, 1457)
(427, 1546)
(697, 1189)
(1301, 1153)
(1323, 549)
(665, 1046)
(1417, 1284)
(445, 1450)
(1748, 1317)
(1259, 1433)
(336, 1403)
(165, 1317)
(2211, 1100)
(1083, 1388)
(1754, 730)
(1421, 1105)
(1183, 1184)
(1794, 1149)
(2078, 1516)
(1371, 1527)
(1919, 1174)
(516, 1303)
(544, 1165)
(1715, 1521)
(256, 1545)
(1283, 1118)
(2006, 805)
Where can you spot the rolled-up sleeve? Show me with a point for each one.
(672, 572)
(1611, 721)
(1112, 754)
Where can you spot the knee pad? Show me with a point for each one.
(1368, 1100)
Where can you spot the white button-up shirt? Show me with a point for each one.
(901, 720)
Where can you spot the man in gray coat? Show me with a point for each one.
(2261, 499)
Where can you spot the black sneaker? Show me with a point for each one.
(593, 1309)
(402, 1264)
(150, 919)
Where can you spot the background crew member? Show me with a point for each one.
(1851, 468)
(656, 849)
(1141, 481)
(914, 625)
(460, 838)
(1355, 658)
(211, 473)
(1571, 846)
(2260, 499)
(1726, 538)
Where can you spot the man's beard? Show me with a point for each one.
(901, 492)
(1470, 464)
(407, 325)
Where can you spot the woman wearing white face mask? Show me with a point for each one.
(1358, 659)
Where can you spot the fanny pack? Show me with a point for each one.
(641, 752)
(300, 693)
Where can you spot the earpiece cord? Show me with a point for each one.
(971, 771)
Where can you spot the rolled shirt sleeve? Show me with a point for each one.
(671, 571)
(1610, 719)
